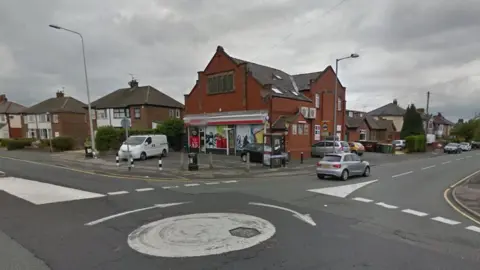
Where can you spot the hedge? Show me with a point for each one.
(15, 144)
(416, 143)
(63, 143)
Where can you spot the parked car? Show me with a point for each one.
(321, 148)
(452, 148)
(356, 148)
(257, 152)
(399, 144)
(342, 165)
(465, 146)
(144, 146)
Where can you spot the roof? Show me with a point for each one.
(303, 80)
(138, 95)
(283, 120)
(372, 123)
(287, 85)
(11, 107)
(354, 122)
(441, 120)
(386, 124)
(391, 109)
(57, 105)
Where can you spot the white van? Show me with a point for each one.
(144, 146)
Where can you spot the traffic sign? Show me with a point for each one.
(125, 123)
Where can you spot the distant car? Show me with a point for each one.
(452, 148)
(321, 148)
(342, 165)
(465, 146)
(356, 148)
(399, 144)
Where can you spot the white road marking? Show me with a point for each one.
(117, 193)
(144, 189)
(230, 181)
(362, 200)
(192, 185)
(446, 220)
(415, 213)
(132, 211)
(212, 183)
(43, 193)
(202, 234)
(169, 187)
(341, 191)
(388, 206)
(303, 217)
(460, 158)
(473, 228)
(429, 167)
(468, 156)
(446, 162)
(402, 174)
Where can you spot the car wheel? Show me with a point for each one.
(143, 156)
(164, 153)
(344, 175)
(244, 158)
(366, 173)
(320, 176)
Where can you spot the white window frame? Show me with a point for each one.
(171, 113)
(317, 100)
(3, 118)
(294, 129)
(42, 118)
(31, 118)
(301, 129)
(339, 104)
(177, 113)
(137, 113)
(55, 118)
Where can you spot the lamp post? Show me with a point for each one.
(51, 131)
(92, 137)
(335, 101)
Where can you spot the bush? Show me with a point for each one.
(415, 143)
(106, 138)
(15, 144)
(63, 143)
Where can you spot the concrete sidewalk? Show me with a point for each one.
(467, 196)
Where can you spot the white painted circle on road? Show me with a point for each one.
(198, 235)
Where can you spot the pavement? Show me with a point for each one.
(467, 195)
(54, 217)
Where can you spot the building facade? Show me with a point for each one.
(235, 102)
(10, 118)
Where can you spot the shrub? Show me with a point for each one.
(63, 143)
(15, 144)
(415, 143)
(107, 138)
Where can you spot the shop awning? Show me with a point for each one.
(226, 118)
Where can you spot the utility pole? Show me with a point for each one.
(428, 119)
(428, 100)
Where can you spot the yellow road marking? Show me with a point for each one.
(462, 212)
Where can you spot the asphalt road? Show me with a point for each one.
(66, 219)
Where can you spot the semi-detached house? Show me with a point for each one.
(234, 101)
(145, 106)
(10, 118)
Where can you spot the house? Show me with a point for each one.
(145, 106)
(234, 102)
(441, 126)
(368, 128)
(10, 118)
(355, 114)
(58, 116)
(391, 111)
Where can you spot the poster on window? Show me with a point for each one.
(216, 137)
(194, 139)
(248, 134)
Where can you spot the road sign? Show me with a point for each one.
(325, 126)
(125, 122)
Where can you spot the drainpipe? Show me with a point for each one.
(245, 87)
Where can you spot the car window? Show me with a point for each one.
(319, 144)
(134, 140)
(328, 144)
(250, 146)
(149, 140)
(356, 158)
(332, 158)
(345, 144)
(347, 158)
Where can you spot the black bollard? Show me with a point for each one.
(301, 158)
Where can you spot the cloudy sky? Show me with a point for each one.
(406, 47)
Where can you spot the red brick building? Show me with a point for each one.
(234, 101)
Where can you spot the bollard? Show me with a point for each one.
(289, 156)
(131, 162)
(210, 161)
(301, 157)
(117, 160)
(160, 165)
(248, 162)
(181, 161)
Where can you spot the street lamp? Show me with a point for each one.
(335, 102)
(51, 131)
(92, 137)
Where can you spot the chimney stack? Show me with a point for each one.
(421, 110)
(3, 98)
(395, 101)
(133, 83)
(60, 94)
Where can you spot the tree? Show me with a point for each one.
(467, 131)
(412, 123)
(174, 130)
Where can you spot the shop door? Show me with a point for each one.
(202, 140)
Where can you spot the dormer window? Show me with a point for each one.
(276, 90)
(295, 93)
(276, 77)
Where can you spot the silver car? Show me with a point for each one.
(342, 165)
(321, 148)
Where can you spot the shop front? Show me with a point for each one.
(225, 133)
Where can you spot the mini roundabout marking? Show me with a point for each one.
(201, 234)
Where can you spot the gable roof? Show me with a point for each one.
(11, 107)
(354, 122)
(372, 123)
(57, 105)
(386, 124)
(391, 109)
(441, 120)
(303, 80)
(137, 95)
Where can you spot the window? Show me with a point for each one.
(121, 113)
(94, 114)
(149, 140)
(276, 77)
(305, 129)
(2, 118)
(295, 93)
(329, 144)
(347, 158)
(136, 112)
(276, 90)
(356, 158)
(31, 119)
(47, 116)
(294, 129)
(25, 119)
(350, 114)
(177, 113)
(361, 114)
(171, 113)
(339, 104)
(300, 129)
(42, 118)
(220, 84)
(55, 118)
(320, 144)
(102, 114)
(317, 100)
(332, 158)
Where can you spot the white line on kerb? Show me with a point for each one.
(473, 228)
(446, 220)
(402, 174)
(212, 183)
(117, 193)
(192, 185)
(446, 162)
(362, 200)
(144, 189)
(429, 167)
(230, 181)
(415, 213)
(388, 206)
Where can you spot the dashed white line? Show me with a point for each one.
(117, 193)
(460, 158)
(143, 189)
(362, 200)
(473, 228)
(446, 220)
(169, 187)
(414, 212)
(402, 174)
(388, 206)
(428, 167)
(212, 183)
(468, 156)
(446, 162)
(192, 185)
(230, 181)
